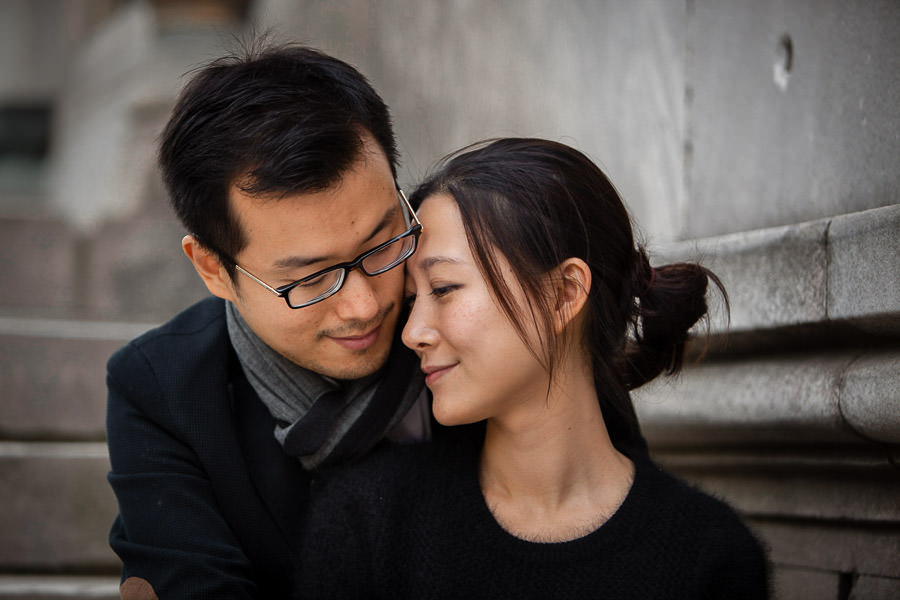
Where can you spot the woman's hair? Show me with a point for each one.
(540, 202)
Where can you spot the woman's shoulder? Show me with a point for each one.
(676, 496)
(717, 532)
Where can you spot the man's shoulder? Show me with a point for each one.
(188, 332)
(206, 317)
(190, 351)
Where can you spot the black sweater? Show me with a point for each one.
(412, 523)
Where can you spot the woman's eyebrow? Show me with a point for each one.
(427, 263)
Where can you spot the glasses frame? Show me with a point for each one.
(415, 229)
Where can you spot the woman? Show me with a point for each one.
(523, 292)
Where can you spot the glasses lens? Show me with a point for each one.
(316, 289)
(390, 255)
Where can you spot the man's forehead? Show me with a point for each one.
(306, 229)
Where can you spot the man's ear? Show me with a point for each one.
(571, 285)
(209, 268)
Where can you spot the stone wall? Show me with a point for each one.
(760, 136)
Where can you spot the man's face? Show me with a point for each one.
(347, 335)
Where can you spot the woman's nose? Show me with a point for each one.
(417, 333)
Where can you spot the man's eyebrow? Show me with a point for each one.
(386, 220)
(296, 262)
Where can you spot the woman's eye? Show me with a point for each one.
(409, 299)
(440, 292)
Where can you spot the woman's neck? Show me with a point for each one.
(549, 472)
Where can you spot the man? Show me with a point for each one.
(282, 167)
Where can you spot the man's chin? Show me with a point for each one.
(357, 366)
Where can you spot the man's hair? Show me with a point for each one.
(279, 120)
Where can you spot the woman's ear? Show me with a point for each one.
(210, 269)
(571, 285)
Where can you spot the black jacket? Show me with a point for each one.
(209, 504)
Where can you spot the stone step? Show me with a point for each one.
(56, 508)
(136, 270)
(58, 587)
(53, 376)
(830, 398)
(130, 270)
(37, 258)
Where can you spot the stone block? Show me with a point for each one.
(777, 399)
(790, 115)
(57, 507)
(54, 387)
(870, 396)
(38, 265)
(864, 268)
(834, 397)
(837, 485)
(139, 272)
(774, 277)
(802, 584)
(829, 546)
(875, 588)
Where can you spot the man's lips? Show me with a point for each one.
(358, 342)
(435, 372)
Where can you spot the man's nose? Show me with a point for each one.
(357, 299)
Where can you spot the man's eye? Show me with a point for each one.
(313, 282)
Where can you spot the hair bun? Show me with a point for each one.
(671, 301)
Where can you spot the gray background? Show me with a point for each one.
(760, 136)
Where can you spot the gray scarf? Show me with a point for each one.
(314, 413)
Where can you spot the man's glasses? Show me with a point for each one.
(327, 282)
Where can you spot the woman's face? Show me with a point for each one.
(476, 365)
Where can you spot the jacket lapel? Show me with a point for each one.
(280, 481)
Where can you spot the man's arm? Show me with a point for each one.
(170, 532)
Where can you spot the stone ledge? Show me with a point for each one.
(867, 551)
(864, 264)
(72, 329)
(875, 588)
(843, 269)
(835, 398)
(790, 582)
(53, 587)
(869, 397)
(56, 507)
(843, 484)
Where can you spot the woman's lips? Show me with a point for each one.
(432, 374)
(358, 342)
